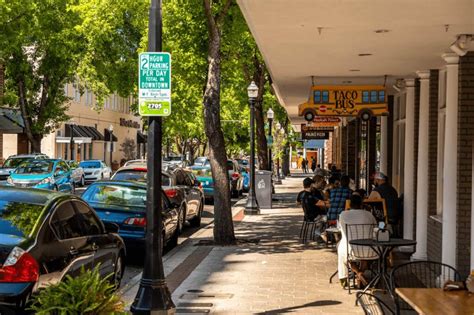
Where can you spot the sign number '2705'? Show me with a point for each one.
(154, 84)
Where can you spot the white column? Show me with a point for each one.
(408, 176)
(395, 164)
(384, 145)
(422, 172)
(450, 161)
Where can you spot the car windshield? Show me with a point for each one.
(202, 172)
(35, 167)
(14, 162)
(18, 218)
(90, 164)
(200, 160)
(138, 175)
(116, 195)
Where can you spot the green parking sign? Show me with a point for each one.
(154, 84)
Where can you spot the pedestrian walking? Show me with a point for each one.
(313, 164)
(306, 165)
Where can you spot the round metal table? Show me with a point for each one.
(382, 249)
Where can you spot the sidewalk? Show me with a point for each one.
(276, 275)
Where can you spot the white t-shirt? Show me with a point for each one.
(357, 217)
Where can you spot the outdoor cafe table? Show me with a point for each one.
(382, 249)
(437, 301)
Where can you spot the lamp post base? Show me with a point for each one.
(154, 298)
(252, 206)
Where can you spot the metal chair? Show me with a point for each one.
(372, 305)
(310, 226)
(358, 253)
(420, 274)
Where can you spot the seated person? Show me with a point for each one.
(313, 205)
(353, 216)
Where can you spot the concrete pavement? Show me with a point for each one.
(270, 271)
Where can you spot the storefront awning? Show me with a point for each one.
(107, 135)
(11, 121)
(141, 138)
(77, 140)
(83, 132)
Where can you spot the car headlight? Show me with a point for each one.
(97, 172)
(47, 180)
(10, 180)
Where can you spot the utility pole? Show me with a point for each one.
(153, 296)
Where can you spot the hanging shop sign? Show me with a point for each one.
(345, 100)
(317, 128)
(326, 121)
(312, 133)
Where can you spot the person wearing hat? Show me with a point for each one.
(384, 190)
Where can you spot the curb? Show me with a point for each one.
(237, 212)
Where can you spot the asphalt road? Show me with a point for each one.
(134, 260)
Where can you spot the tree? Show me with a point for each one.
(215, 13)
(128, 147)
(46, 44)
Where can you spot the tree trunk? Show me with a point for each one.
(223, 225)
(262, 149)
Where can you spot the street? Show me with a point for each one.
(134, 260)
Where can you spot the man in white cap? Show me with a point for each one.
(384, 190)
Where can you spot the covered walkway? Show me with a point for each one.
(421, 53)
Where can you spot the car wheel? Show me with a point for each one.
(118, 271)
(83, 181)
(181, 219)
(196, 221)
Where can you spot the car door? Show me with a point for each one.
(195, 194)
(170, 217)
(105, 170)
(65, 247)
(184, 186)
(105, 250)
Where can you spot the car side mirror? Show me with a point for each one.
(111, 227)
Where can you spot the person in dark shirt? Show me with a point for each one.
(384, 190)
(311, 200)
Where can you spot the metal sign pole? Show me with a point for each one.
(153, 296)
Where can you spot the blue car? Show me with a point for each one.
(124, 203)
(52, 174)
(204, 175)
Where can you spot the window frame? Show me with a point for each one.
(51, 226)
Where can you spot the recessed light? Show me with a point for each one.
(381, 31)
(364, 55)
(354, 70)
(348, 81)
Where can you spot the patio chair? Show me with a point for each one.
(357, 254)
(372, 305)
(420, 274)
(308, 229)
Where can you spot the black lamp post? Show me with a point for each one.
(252, 206)
(153, 296)
(270, 121)
(71, 142)
(111, 135)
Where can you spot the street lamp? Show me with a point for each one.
(252, 206)
(71, 142)
(270, 120)
(153, 296)
(111, 135)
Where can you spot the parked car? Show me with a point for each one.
(57, 235)
(179, 185)
(132, 162)
(95, 170)
(78, 174)
(13, 161)
(235, 177)
(52, 174)
(204, 175)
(201, 161)
(124, 203)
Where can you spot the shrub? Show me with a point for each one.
(87, 294)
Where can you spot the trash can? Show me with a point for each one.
(263, 189)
